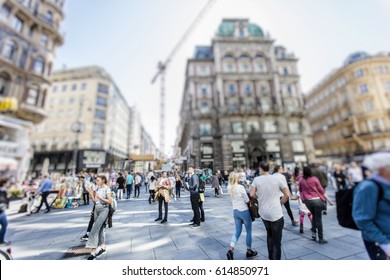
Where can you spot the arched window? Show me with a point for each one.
(5, 82)
(232, 89)
(245, 63)
(228, 63)
(247, 89)
(39, 65)
(10, 50)
(259, 64)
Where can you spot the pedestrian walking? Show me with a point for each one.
(313, 195)
(241, 216)
(267, 188)
(102, 199)
(371, 206)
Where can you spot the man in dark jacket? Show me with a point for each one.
(194, 196)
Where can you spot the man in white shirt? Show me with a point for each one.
(267, 188)
(138, 181)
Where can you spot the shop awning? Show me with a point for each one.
(8, 163)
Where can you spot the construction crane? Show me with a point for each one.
(162, 67)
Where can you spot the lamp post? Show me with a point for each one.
(77, 128)
(325, 130)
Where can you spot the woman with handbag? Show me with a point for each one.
(314, 196)
(241, 215)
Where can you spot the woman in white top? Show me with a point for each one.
(241, 215)
(152, 188)
(102, 199)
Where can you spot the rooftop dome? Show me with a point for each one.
(226, 28)
(355, 57)
(255, 30)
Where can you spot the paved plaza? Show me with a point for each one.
(136, 236)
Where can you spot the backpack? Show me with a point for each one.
(202, 185)
(344, 202)
(253, 206)
(114, 203)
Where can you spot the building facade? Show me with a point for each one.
(29, 36)
(87, 125)
(349, 111)
(242, 103)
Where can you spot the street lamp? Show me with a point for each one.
(77, 127)
(325, 130)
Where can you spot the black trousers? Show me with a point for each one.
(44, 200)
(137, 190)
(195, 206)
(274, 238)
(374, 251)
(86, 198)
(161, 200)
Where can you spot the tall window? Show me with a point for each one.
(252, 126)
(100, 114)
(44, 40)
(359, 73)
(363, 88)
(204, 91)
(297, 146)
(270, 126)
(83, 86)
(368, 106)
(101, 101)
(204, 107)
(228, 63)
(38, 65)
(293, 127)
(102, 88)
(10, 50)
(5, 82)
(204, 129)
(32, 95)
(18, 24)
(49, 17)
(244, 63)
(74, 87)
(237, 127)
(232, 89)
(387, 85)
(248, 89)
(273, 145)
(5, 11)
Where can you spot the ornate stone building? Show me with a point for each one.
(349, 111)
(29, 36)
(242, 102)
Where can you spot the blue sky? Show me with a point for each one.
(129, 37)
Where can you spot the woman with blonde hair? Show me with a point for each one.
(241, 215)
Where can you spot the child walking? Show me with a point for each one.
(303, 211)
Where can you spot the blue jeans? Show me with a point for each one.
(274, 238)
(129, 189)
(239, 218)
(4, 224)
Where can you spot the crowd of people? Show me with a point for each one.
(272, 185)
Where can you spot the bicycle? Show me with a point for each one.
(5, 254)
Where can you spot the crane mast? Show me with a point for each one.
(162, 66)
